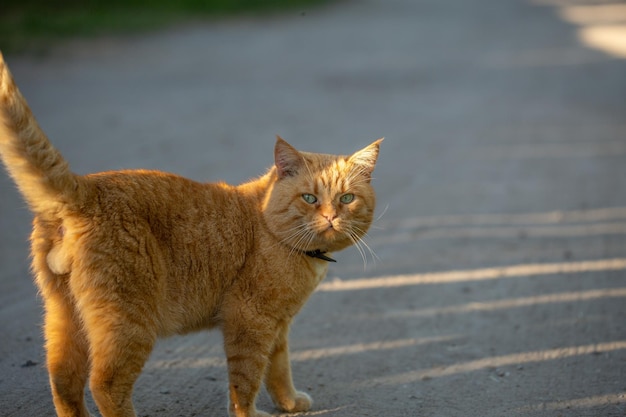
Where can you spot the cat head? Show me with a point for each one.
(318, 201)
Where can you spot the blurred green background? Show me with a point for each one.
(36, 24)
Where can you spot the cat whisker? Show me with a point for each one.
(304, 235)
(311, 237)
(370, 250)
(308, 237)
(301, 238)
(295, 233)
(289, 235)
(357, 244)
(352, 234)
(374, 225)
(381, 214)
(360, 242)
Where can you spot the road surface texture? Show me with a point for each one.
(499, 284)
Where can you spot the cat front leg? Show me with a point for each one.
(278, 378)
(248, 343)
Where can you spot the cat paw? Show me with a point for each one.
(301, 402)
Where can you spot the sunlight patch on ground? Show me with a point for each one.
(504, 232)
(310, 354)
(322, 412)
(587, 402)
(564, 297)
(304, 355)
(594, 14)
(558, 223)
(601, 26)
(610, 39)
(550, 217)
(187, 363)
(497, 361)
(513, 271)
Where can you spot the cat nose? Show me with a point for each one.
(330, 217)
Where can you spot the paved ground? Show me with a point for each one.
(501, 284)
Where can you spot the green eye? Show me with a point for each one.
(309, 198)
(347, 198)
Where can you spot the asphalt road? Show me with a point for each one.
(499, 283)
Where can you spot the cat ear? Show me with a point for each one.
(366, 158)
(286, 158)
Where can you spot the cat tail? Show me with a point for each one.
(40, 172)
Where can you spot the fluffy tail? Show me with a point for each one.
(39, 170)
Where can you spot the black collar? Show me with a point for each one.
(319, 255)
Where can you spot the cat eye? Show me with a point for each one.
(347, 198)
(309, 198)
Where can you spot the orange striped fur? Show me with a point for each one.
(122, 258)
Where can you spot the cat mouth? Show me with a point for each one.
(329, 232)
(330, 226)
(332, 236)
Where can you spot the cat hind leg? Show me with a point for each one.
(67, 357)
(67, 353)
(120, 346)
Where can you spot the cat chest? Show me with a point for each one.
(319, 270)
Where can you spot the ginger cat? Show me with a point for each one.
(121, 258)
